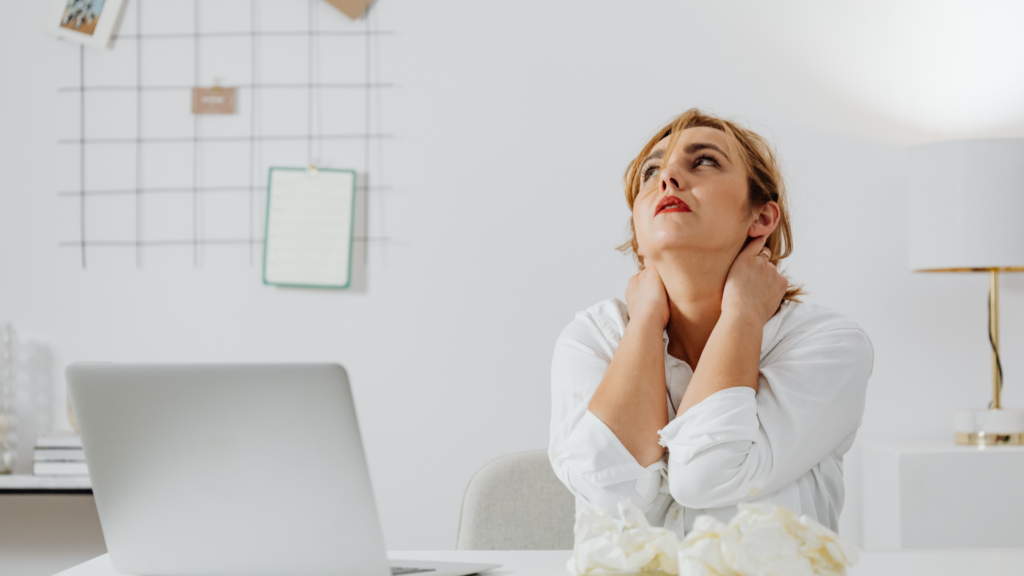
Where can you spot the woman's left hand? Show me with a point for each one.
(754, 287)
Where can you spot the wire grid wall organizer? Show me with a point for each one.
(153, 175)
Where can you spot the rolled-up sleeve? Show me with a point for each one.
(585, 454)
(737, 446)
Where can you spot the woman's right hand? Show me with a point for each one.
(646, 299)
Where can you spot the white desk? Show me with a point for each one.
(552, 563)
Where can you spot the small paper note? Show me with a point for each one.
(309, 227)
(214, 100)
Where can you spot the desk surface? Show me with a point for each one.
(552, 562)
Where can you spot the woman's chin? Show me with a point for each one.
(671, 241)
(674, 249)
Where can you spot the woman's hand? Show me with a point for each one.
(754, 287)
(646, 299)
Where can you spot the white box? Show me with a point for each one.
(937, 495)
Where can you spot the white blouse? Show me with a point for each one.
(783, 444)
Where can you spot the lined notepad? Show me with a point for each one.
(310, 218)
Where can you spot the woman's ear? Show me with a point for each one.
(766, 221)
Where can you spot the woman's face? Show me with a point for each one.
(693, 200)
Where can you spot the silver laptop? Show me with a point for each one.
(224, 470)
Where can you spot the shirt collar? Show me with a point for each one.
(772, 328)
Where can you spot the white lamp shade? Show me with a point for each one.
(967, 205)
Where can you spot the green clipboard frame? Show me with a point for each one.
(352, 228)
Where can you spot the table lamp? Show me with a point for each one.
(967, 215)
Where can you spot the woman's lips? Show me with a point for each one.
(671, 204)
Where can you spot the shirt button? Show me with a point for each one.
(676, 515)
(755, 491)
(554, 454)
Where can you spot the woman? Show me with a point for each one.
(713, 384)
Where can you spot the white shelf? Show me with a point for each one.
(29, 482)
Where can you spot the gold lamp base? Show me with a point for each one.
(1003, 427)
(989, 439)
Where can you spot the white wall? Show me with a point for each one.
(513, 124)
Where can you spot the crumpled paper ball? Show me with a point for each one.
(764, 540)
(709, 549)
(604, 545)
(761, 540)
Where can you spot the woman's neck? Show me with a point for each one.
(694, 285)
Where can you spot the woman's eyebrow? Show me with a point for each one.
(696, 146)
(656, 155)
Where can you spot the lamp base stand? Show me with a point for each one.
(1003, 427)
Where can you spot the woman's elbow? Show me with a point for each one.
(609, 500)
(693, 490)
(711, 480)
(642, 492)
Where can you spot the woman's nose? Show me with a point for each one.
(669, 178)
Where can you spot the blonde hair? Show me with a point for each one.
(755, 155)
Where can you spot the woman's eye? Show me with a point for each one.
(705, 160)
(650, 171)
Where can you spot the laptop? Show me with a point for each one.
(232, 470)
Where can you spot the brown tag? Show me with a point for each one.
(214, 100)
(351, 8)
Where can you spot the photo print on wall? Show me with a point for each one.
(89, 22)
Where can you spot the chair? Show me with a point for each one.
(516, 503)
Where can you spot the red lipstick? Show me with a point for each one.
(671, 203)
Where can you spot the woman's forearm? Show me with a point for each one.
(730, 358)
(631, 399)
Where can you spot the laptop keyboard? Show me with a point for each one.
(395, 570)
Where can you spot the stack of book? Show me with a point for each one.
(59, 455)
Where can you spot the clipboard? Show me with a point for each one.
(308, 238)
